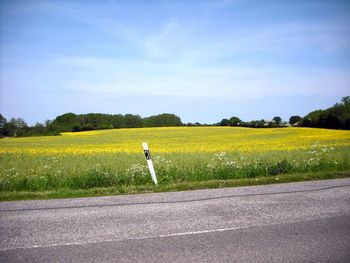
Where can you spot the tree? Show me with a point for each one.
(312, 119)
(294, 119)
(332, 121)
(47, 123)
(336, 117)
(9, 129)
(66, 118)
(3, 122)
(234, 121)
(20, 125)
(277, 120)
(38, 129)
(162, 120)
(346, 100)
(118, 121)
(224, 122)
(258, 124)
(66, 122)
(132, 121)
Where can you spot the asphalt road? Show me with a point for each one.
(298, 222)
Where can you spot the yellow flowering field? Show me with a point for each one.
(177, 140)
(113, 158)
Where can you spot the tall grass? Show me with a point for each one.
(23, 172)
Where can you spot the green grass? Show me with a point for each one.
(183, 186)
(46, 173)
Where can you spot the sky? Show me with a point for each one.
(201, 60)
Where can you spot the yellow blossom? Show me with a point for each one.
(177, 140)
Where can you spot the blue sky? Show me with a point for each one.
(202, 60)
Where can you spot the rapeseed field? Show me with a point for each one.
(111, 158)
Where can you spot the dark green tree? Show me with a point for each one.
(294, 119)
(346, 100)
(118, 121)
(312, 119)
(132, 121)
(277, 120)
(9, 129)
(3, 122)
(162, 120)
(234, 121)
(224, 122)
(66, 123)
(37, 129)
(336, 117)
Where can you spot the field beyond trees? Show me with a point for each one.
(113, 159)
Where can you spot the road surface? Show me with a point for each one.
(296, 222)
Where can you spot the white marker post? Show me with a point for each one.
(149, 162)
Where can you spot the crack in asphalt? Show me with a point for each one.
(172, 202)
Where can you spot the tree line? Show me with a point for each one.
(70, 122)
(336, 117)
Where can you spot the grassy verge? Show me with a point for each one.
(180, 186)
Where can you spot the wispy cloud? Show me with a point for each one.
(127, 77)
(159, 44)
